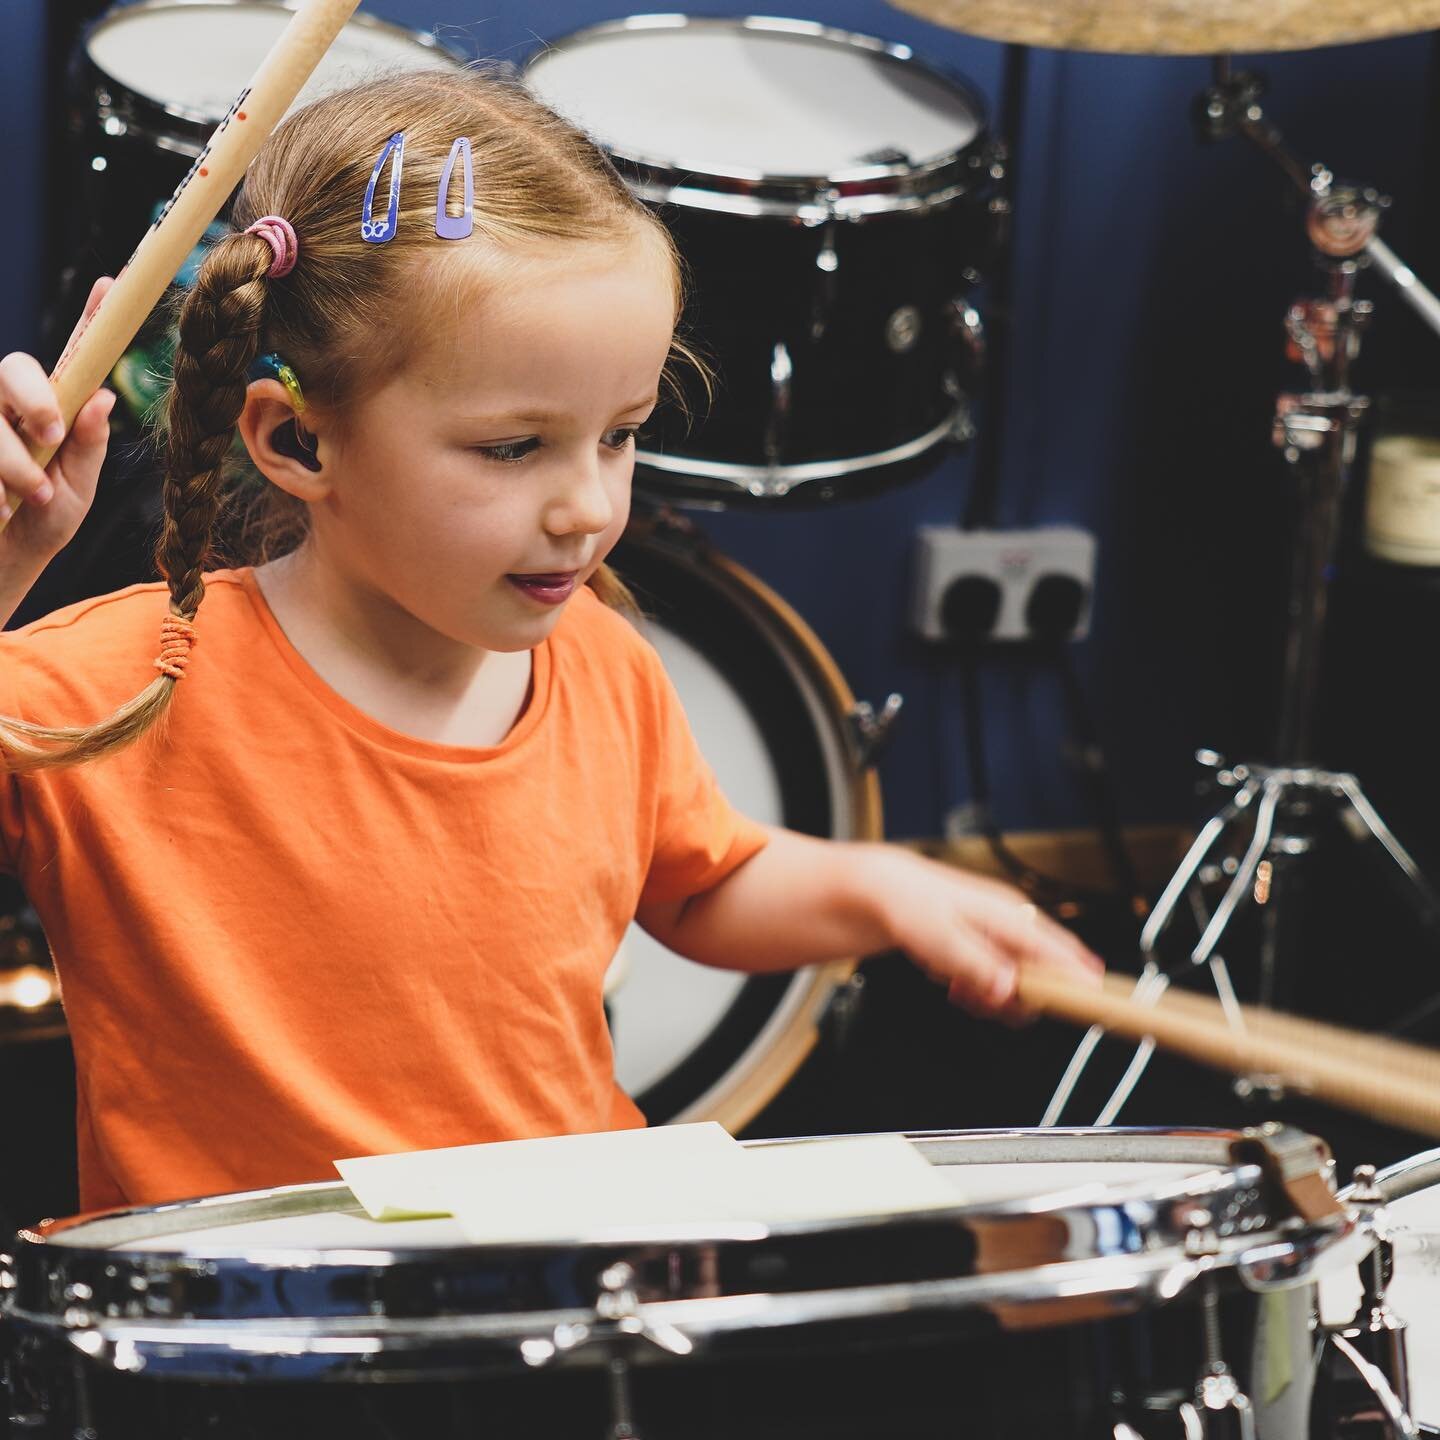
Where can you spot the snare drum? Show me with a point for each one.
(1063, 1293)
(833, 198)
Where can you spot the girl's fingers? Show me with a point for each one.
(98, 292)
(20, 477)
(978, 975)
(29, 402)
(27, 399)
(1024, 933)
(83, 452)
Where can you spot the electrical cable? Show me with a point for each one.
(981, 512)
(1094, 769)
(1048, 890)
(982, 501)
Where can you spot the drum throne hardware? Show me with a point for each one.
(1285, 804)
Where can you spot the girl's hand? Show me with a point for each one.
(57, 498)
(971, 934)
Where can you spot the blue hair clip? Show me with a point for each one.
(272, 367)
(377, 232)
(463, 224)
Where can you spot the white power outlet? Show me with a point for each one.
(1014, 560)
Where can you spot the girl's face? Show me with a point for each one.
(482, 485)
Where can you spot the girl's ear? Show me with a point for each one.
(284, 450)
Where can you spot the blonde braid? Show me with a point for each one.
(219, 339)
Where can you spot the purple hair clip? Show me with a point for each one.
(458, 227)
(377, 232)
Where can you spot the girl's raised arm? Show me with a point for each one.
(56, 498)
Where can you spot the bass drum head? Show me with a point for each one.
(770, 712)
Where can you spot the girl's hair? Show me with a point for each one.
(343, 319)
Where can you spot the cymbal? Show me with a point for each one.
(1180, 27)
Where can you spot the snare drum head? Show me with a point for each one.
(752, 98)
(194, 59)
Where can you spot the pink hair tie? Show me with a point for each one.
(279, 235)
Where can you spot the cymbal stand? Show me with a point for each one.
(1285, 804)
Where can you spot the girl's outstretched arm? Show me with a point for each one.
(801, 901)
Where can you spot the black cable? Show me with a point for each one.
(1089, 756)
(1087, 751)
(982, 502)
(1046, 889)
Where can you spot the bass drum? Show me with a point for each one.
(771, 713)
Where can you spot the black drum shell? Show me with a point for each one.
(1067, 1384)
(826, 289)
(873, 347)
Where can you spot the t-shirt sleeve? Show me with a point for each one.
(699, 836)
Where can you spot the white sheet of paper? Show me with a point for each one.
(835, 1179)
(669, 1179)
(746, 1187)
(549, 1186)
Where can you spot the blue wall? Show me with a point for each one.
(1151, 277)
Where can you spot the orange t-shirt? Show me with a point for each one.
(286, 933)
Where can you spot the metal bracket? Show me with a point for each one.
(1298, 1163)
(869, 730)
(618, 1313)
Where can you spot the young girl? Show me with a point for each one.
(346, 875)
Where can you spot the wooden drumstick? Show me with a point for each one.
(1383, 1079)
(94, 351)
(1262, 1021)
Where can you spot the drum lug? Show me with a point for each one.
(1221, 1409)
(619, 1305)
(619, 1316)
(620, 1320)
(869, 730)
(968, 328)
(782, 372)
(842, 1010)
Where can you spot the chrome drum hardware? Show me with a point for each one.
(1158, 1281)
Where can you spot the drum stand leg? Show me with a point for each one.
(1364, 1367)
(622, 1410)
(1292, 799)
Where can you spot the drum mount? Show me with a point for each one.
(1283, 805)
